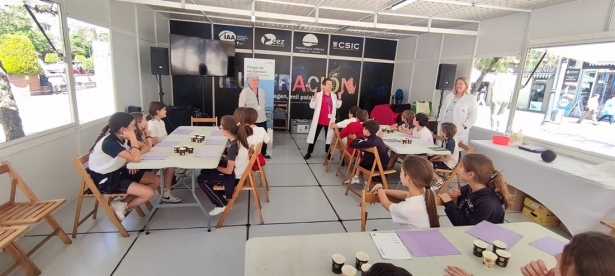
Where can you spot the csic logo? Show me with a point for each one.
(227, 36)
(346, 45)
(271, 40)
(310, 40)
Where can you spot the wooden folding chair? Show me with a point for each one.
(336, 144)
(29, 212)
(8, 236)
(88, 189)
(370, 198)
(369, 173)
(611, 225)
(245, 183)
(262, 177)
(453, 173)
(213, 120)
(349, 159)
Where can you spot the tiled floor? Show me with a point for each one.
(304, 200)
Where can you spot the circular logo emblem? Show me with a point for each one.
(310, 40)
(268, 39)
(227, 36)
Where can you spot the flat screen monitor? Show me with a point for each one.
(201, 57)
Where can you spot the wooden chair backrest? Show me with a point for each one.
(377, 164)
(213, 120)
(338, 137)
(16, 182)
(79, 164)
(247, 173)
(465, 147)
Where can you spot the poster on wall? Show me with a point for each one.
(241, 36)
(306, 78)
(272, 40)
(345, 75)
(310, 43)
(346, 46)
(227, 89)
(376, 82)
(282, 77)
(380, 49)
(265, 69)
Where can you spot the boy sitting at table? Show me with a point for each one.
(352, 117)
(371, 139)
(354, 130)
(446, 162)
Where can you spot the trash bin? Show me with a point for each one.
(557, 115)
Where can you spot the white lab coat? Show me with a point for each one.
(316, 106)
(465, 113)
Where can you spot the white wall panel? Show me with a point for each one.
(126, 70)
(90, 11)
(89, 135)
(123, 16)
(402, 79)
(428, 48)
(149, 86)
(424, 81)
(162, 30)
(503, 36)
(146, 23)
(406, 48)
(458, 46)
(575, 18)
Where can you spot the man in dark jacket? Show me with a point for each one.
(371, 139)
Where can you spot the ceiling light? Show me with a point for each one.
(253, 18)
(402, 4)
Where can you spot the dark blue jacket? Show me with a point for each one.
(474, 207)
(368, 158)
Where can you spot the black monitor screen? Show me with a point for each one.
(198, 56)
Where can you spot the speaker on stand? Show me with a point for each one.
(160, 65)
(445, 81)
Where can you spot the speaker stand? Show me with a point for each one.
(440, 105)
(160, 93)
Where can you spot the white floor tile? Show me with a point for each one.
(290, 175)
(327, 178)
(282, 135)
(285, 156)
(187, 252)
(293, 204)
(283, 144)
(295, 229)
(348, 207)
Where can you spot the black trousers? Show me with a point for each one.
(311, 145)
(263, 125)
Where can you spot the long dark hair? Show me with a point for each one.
(485, 173)
(138, 118)
(116, 121)
(589, 253)
(420, 172)
(240, 130)
(386, 269)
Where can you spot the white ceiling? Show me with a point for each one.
(356, 17)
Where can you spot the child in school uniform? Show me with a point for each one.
(370, 139)
(143, 134)
(157, 111)
(420, 130)
(354, 130)
(352, 117)
(405, 125)
(117, 145)
(447, 162)
(418, 208)
(484, 198)
(248, 116)
(231, 167)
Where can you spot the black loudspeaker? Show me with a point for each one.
(446, 76)
(133, 108)
(160, 60)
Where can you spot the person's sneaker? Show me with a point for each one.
(355, 180)
(167, 196)
(436, 187)
(307, 156)
(267, 156)
(216, 211)
(119, 208)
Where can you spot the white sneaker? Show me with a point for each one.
(168, 197)
(436, 187)
(119, 208)
(355, 180)
(216, 211)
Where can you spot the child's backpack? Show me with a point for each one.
(399, 96)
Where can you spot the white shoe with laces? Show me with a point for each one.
(119, 208)
(436, 187)
(167, 196)
(355, 180)
(216, 211)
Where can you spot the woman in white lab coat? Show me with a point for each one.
(459, 108)
(325, 105)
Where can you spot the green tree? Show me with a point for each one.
(81, 42)
(80, 58)
(18, 55)
(88, 65)
(16, 20)
(51, 58)
(485, 65)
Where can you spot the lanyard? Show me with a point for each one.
(256, 93)
(329, 102)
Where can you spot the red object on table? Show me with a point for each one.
(384, 115)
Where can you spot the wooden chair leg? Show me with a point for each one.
(149, 206)
(257, 199)
(139, 211)
(363, 222)
(77, 214)
(107, 209)
(95, 211)
(58, 229)
(22, 260)
(263, 180)
(229, 206)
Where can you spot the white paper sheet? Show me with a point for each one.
(390, 246)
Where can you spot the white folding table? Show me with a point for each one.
(188, 161)
(417, 146)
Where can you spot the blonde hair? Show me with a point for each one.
(485, 173)
(466, 81)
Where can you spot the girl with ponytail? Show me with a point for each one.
(484, 198)
(418, 208)
(117, 145)
(231, 167)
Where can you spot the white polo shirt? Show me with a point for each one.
(157, 128)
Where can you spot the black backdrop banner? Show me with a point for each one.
(307, 75)
(310, 43)
(347, 46)
(272, 40)
(241, 36)
(345, 75)
(380, 49)
(376, 82)
(227, 89)
(282, 77)
(186, 28)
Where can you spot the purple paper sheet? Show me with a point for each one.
(182, 131)
(427, 243)
(214, 142)
(489, 232)
(168, 144)
(207, 154)
(154, 156)
(550, 245)
(216, 133)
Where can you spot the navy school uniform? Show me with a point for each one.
(369, 158)
(107, 169)
(474, 207)
(210, 177)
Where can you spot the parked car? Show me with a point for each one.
(84, 82)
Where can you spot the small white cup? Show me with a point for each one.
(348, 270)
(489, 259)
